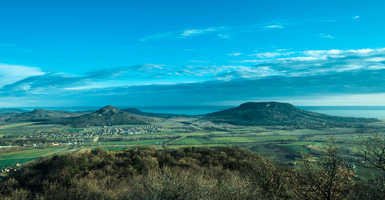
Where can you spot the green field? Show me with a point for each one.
(23, 156)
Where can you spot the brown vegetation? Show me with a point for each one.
(189, 173)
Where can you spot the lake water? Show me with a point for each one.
(184, 110)
(350, 111)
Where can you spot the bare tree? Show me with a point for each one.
(374, 152)
(329, 179)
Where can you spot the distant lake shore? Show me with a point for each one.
(369, 112)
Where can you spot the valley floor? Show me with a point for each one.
(26, 142)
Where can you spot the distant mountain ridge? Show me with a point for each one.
(251, 113)
(106, 116)
(37, 115)
(280, 114)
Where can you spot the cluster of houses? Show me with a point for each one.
(118, 131)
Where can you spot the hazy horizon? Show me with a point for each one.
(344, 111)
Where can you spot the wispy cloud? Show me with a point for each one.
(267, 54)
(194, 32)
(274, 26)
(301, 59)
(311, 62)
(13, 73)
(278, 53)
(339, 52)
(247, 61)
(222, 32)
(376, 59)
(188, 33)
(32, 81)
(223, 36)
(227, 32)
(245, 72)
(235, 54)
(327, 36)
(323, 52)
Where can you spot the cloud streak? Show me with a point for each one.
(274, 26)
(194, 32)
(235, 54)
(327, 36)
(221, 32)
(188, 33)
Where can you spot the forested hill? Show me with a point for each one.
(106, 116)
(280, 114)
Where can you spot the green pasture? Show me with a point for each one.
(22, 156)
(136, 142)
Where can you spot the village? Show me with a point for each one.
(79, 136)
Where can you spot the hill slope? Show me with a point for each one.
(106, 116)
(280, 114)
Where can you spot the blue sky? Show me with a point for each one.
(145, 53)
